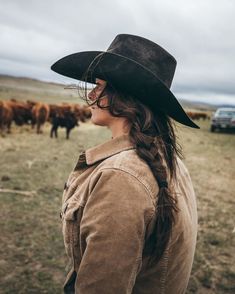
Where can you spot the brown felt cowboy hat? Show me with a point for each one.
(134, 65)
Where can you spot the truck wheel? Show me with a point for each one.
(212, 129)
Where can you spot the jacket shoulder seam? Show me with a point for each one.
(134, 176)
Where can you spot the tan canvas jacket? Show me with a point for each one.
(108, 212)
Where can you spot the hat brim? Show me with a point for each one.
(126, 75)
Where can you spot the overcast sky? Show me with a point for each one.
(200, 34)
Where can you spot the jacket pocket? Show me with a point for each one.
(71, 211)
(71, 220)
(70, 208)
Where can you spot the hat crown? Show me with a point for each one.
(146, 53)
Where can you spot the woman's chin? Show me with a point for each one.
(96, 121)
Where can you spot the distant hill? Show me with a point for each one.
(198, 105)
(202, 105)
(31, 89)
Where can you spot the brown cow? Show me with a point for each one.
(21, 112)
(197, 115)
(54, 109)
(40, 114)
(6, 116)
(82, 113)
(63, 116)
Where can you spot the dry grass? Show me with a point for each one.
(36, 167)
(211, 161)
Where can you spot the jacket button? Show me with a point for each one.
(65, 186)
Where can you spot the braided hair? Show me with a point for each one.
(155, 141)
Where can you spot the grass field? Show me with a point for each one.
(32, 175)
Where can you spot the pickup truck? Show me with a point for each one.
(223, 118)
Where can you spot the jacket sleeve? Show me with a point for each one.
(112, 234)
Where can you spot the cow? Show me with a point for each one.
(63, 116)
(40, 114)
(21, 111)
(54, 109)
(6, 116)
(14, 110)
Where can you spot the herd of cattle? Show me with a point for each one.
(194, 115)
(64, 115)
(38, 113)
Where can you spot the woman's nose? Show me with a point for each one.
(92, 95)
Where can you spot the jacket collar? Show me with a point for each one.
(103, 151)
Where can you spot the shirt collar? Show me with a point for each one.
(108, 149)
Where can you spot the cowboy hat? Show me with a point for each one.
(134, 65)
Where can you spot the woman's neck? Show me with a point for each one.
(119, 127)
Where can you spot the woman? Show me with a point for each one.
(129, 211)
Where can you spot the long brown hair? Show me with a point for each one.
(155, 141)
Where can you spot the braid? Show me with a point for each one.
(155, 142)
(165, 203)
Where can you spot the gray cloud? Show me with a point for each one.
(200, 34)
